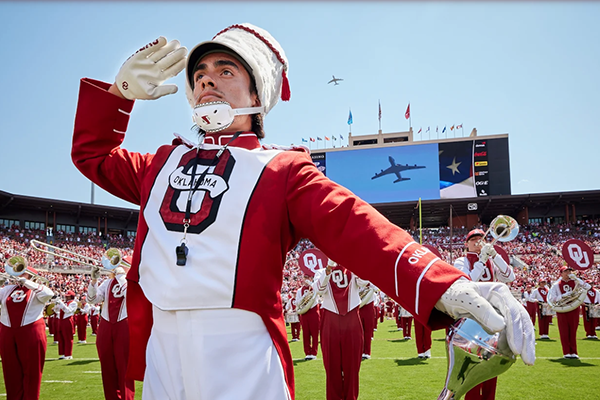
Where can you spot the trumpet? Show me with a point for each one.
(111, 258)
(17, 266)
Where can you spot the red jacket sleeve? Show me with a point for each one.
(100, 125)
(354, 234)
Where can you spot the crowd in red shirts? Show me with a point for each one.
(538, 245)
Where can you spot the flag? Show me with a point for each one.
(350, 121)
(437, 129)
(428, 129)
(318, 138)
(334, 138)
(312, 140)
(459, 126)
(341, 137)
(326, 138)
(407, 113)
(304, 140)
(379, 111)
(420, 129)
(443, 130)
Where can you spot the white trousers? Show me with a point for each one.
(220, 354)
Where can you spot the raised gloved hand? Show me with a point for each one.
(21, 280)
(487, 251)
(143, 74)
(95, 272)
(494, 308)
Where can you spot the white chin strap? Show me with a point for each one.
(215, 116)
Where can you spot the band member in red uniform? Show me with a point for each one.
(406, 319)
(292, 318)
(423, 340)
(483, 264)
(368, 317)
(23, 336)
(341, 330)
(568, 322)
(309, 320)
(589, 321)
(531, 305)
(82, 320)
(112, 341)
(544, 312)
(94, 315)
(220, 212)
(66, 325)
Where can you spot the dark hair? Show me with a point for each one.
(257, 119)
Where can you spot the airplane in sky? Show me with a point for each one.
(335, 80)
(396, 169)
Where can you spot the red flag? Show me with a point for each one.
(380, 111)
(312, 140)
(326, 138)
(420, 129)
(407, 113)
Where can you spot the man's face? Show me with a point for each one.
(474, 244)
(565, 274)
(220, 76)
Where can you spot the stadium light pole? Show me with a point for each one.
(92, 194)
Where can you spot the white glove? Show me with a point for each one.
(479, 301)
(21, 280)
(95, 272)
(487, 251)
(143, 74)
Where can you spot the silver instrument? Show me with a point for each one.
(474, 356)
(569, 301)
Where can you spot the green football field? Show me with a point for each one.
(393, 372)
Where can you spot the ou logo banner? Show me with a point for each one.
(577, 254)
(118, 290)
(312, 260)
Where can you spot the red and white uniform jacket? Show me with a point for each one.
(252, 207)
(94, 310)
(593, 296)
(290, 307)
(301, 292)
(23, 305)
(540, 294)
(339, 289)
(113, 293)
(528, 297)
(65, 309)
(85, 309)
(494, 270)
(560, 288)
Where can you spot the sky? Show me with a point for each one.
(528, 69)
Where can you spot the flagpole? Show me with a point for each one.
(420, 224)
(409, 117)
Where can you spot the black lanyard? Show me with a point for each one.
(182, 250)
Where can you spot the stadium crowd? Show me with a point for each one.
(537, 245)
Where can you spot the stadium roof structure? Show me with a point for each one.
(435, 213)
(9, 201)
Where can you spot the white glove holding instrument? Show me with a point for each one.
(95, 272)
(480, 300)
(143, 74)
(487, 251)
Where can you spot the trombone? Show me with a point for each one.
(503, 228)
(17, 266)
(111, 258)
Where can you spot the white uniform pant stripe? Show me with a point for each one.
(212, 355)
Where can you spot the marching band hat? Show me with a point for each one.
(70, 293)
(260, 54)
(475, 232)
(565, 268)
